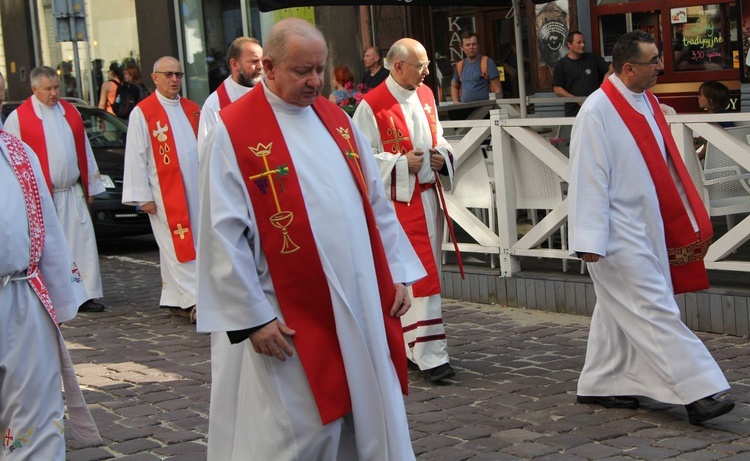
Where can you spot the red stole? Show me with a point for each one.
(169, 173)
(32, 133)
(221, 92)
(288, 242)
(686, 250)
(395, 138)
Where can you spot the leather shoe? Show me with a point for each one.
(614, 401)
(441, 372)
(707, 408)
(91, 306)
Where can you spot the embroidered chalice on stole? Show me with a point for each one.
(281, 219)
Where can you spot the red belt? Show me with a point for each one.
(424, 187)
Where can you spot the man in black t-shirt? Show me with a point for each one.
(578, 73)
(374, 73)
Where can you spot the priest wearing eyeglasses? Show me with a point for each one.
(400, 119)
(161, 177)
(637, 218)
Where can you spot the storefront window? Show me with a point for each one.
(208, 30)
(700, 37)
(614, 25)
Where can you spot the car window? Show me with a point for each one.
(102, 130)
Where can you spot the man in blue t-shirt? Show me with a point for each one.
(474, 79)
(578, 73)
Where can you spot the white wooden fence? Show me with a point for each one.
(526, 166)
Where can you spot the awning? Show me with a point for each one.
(270, 5)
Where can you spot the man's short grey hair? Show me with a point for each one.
(235, 48)
(278, 39)
(42, 71)
(398, 52)
(164, 59)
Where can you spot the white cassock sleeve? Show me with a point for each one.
(230, 294)
(403, 262)
(96, 185)
(209, 117)
(394, 169)
(588, 196)
(135, 187)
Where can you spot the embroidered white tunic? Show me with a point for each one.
(637, 344)
(423, 322)
(211, 108)
(70, 204)
(276, 415)
(31, 401)
(141, 185)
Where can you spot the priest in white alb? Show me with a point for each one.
(637, 218)
(302, 262)
(53, 128)
(161, 177)
(244, 55)
(400, 120)
(40, 286)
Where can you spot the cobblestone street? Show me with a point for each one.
(146, 378)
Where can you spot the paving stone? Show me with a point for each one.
(88, 454)
(594, 451)
(652, 453)
(135, 446)
(529, 450)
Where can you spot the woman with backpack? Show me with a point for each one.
(109, 88)
(134, 78)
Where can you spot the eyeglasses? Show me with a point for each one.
(420, 66)
(653, 62)
(170, 74)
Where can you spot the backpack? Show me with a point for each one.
(126, 98)
(482, 66)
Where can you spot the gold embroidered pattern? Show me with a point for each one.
(398, 136)
(351, 153)
(688, 254)
(160, 134)
(264, 180)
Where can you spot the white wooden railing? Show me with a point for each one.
(501, 138)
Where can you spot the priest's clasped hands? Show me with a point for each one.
(415, 158)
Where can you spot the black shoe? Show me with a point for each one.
(91, 306)
(411, 365)
(610, 401)
(707, 408)
(441, 372)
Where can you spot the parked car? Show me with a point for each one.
(107, 135)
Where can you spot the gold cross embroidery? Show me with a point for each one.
(281, 219)
(398, 136)
(181, 231)
(351, 152)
